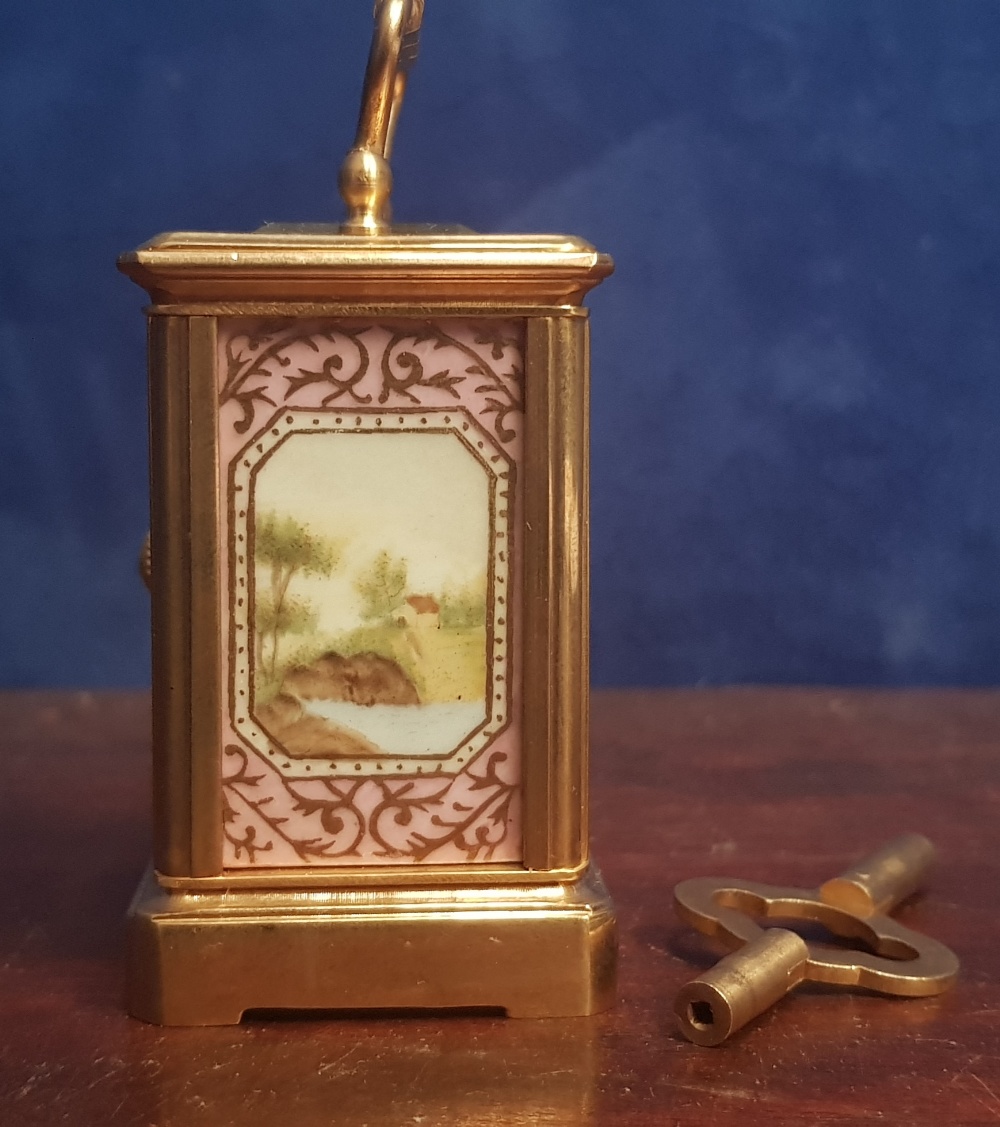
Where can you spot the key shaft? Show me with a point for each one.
(741, 987)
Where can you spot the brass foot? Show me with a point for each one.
(205, 958)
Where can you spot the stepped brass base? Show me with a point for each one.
(204, 958)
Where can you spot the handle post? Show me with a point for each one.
(365, 179)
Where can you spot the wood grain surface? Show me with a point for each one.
(785, 786)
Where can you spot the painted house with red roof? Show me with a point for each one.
(422, 612)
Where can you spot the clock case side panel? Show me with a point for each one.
(188, 679)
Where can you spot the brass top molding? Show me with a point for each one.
(193, 267)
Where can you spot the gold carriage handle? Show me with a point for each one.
(365, 176)
(768, 962)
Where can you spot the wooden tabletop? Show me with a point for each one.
(784, 786)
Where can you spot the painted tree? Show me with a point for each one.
(285, 548)
(293, 616)
(381, 587)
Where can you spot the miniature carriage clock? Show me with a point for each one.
(368, 569)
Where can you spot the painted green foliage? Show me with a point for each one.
(287, 549)
(465, 607)
(382, 588)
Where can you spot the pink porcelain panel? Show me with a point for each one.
(371, 576)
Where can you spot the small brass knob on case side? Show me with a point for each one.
(771, 962)
(145, 563)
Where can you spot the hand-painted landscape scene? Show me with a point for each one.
(370, 575)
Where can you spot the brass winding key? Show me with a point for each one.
(769, 962)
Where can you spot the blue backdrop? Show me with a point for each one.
(795, 382)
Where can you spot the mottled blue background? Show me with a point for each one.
(796, 399)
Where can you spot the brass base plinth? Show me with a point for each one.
(204, 958)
